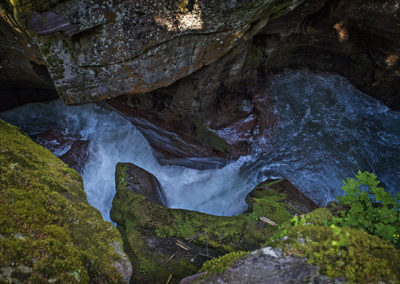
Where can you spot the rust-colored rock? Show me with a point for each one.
(219, 110)
(77, 155)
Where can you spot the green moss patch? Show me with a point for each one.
(146, 227)
(47, 226)
(221, 263)
(354, 254)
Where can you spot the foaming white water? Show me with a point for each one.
(114, 139)
(327, 131)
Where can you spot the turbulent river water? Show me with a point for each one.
(326, 131)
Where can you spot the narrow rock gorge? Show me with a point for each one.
(185, 134)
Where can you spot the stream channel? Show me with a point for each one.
(327, 130)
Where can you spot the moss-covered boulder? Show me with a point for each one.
(165, 243)
(309, 252)
(350, 253)
(48, 231)
(339, 251)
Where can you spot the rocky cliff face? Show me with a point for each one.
(229, 97)
(100, 49)
(96, 50)
(202, 67)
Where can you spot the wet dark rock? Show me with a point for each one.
(54, 140)
(171, 143)
(142, 182)
(296, 201)
(77, 156)
(72, 151)
(358, 39)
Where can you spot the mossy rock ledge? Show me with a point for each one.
(308, 253)
(170, 244)
(48, 231)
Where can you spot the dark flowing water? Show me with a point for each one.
(327, 131)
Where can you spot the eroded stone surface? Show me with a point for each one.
(220, 110)
(100, 49)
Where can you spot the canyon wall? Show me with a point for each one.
(23, 73)
(96, 50)
(197, 69)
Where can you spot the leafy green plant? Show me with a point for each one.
(143, 269)
(277, 236)
(299, 221)
(370, 208)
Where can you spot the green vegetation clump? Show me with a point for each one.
(370, 208)
(221, 263)
(48, 231)
(354, 254)
(351, 250)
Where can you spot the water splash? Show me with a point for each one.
(326, 131)
(113, 139)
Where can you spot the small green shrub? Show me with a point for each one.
(370, 208)
(299, 221)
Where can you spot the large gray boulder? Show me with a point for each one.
(98, 49)
(269, 265)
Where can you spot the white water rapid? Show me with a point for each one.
(327, 130)
(114, 139)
